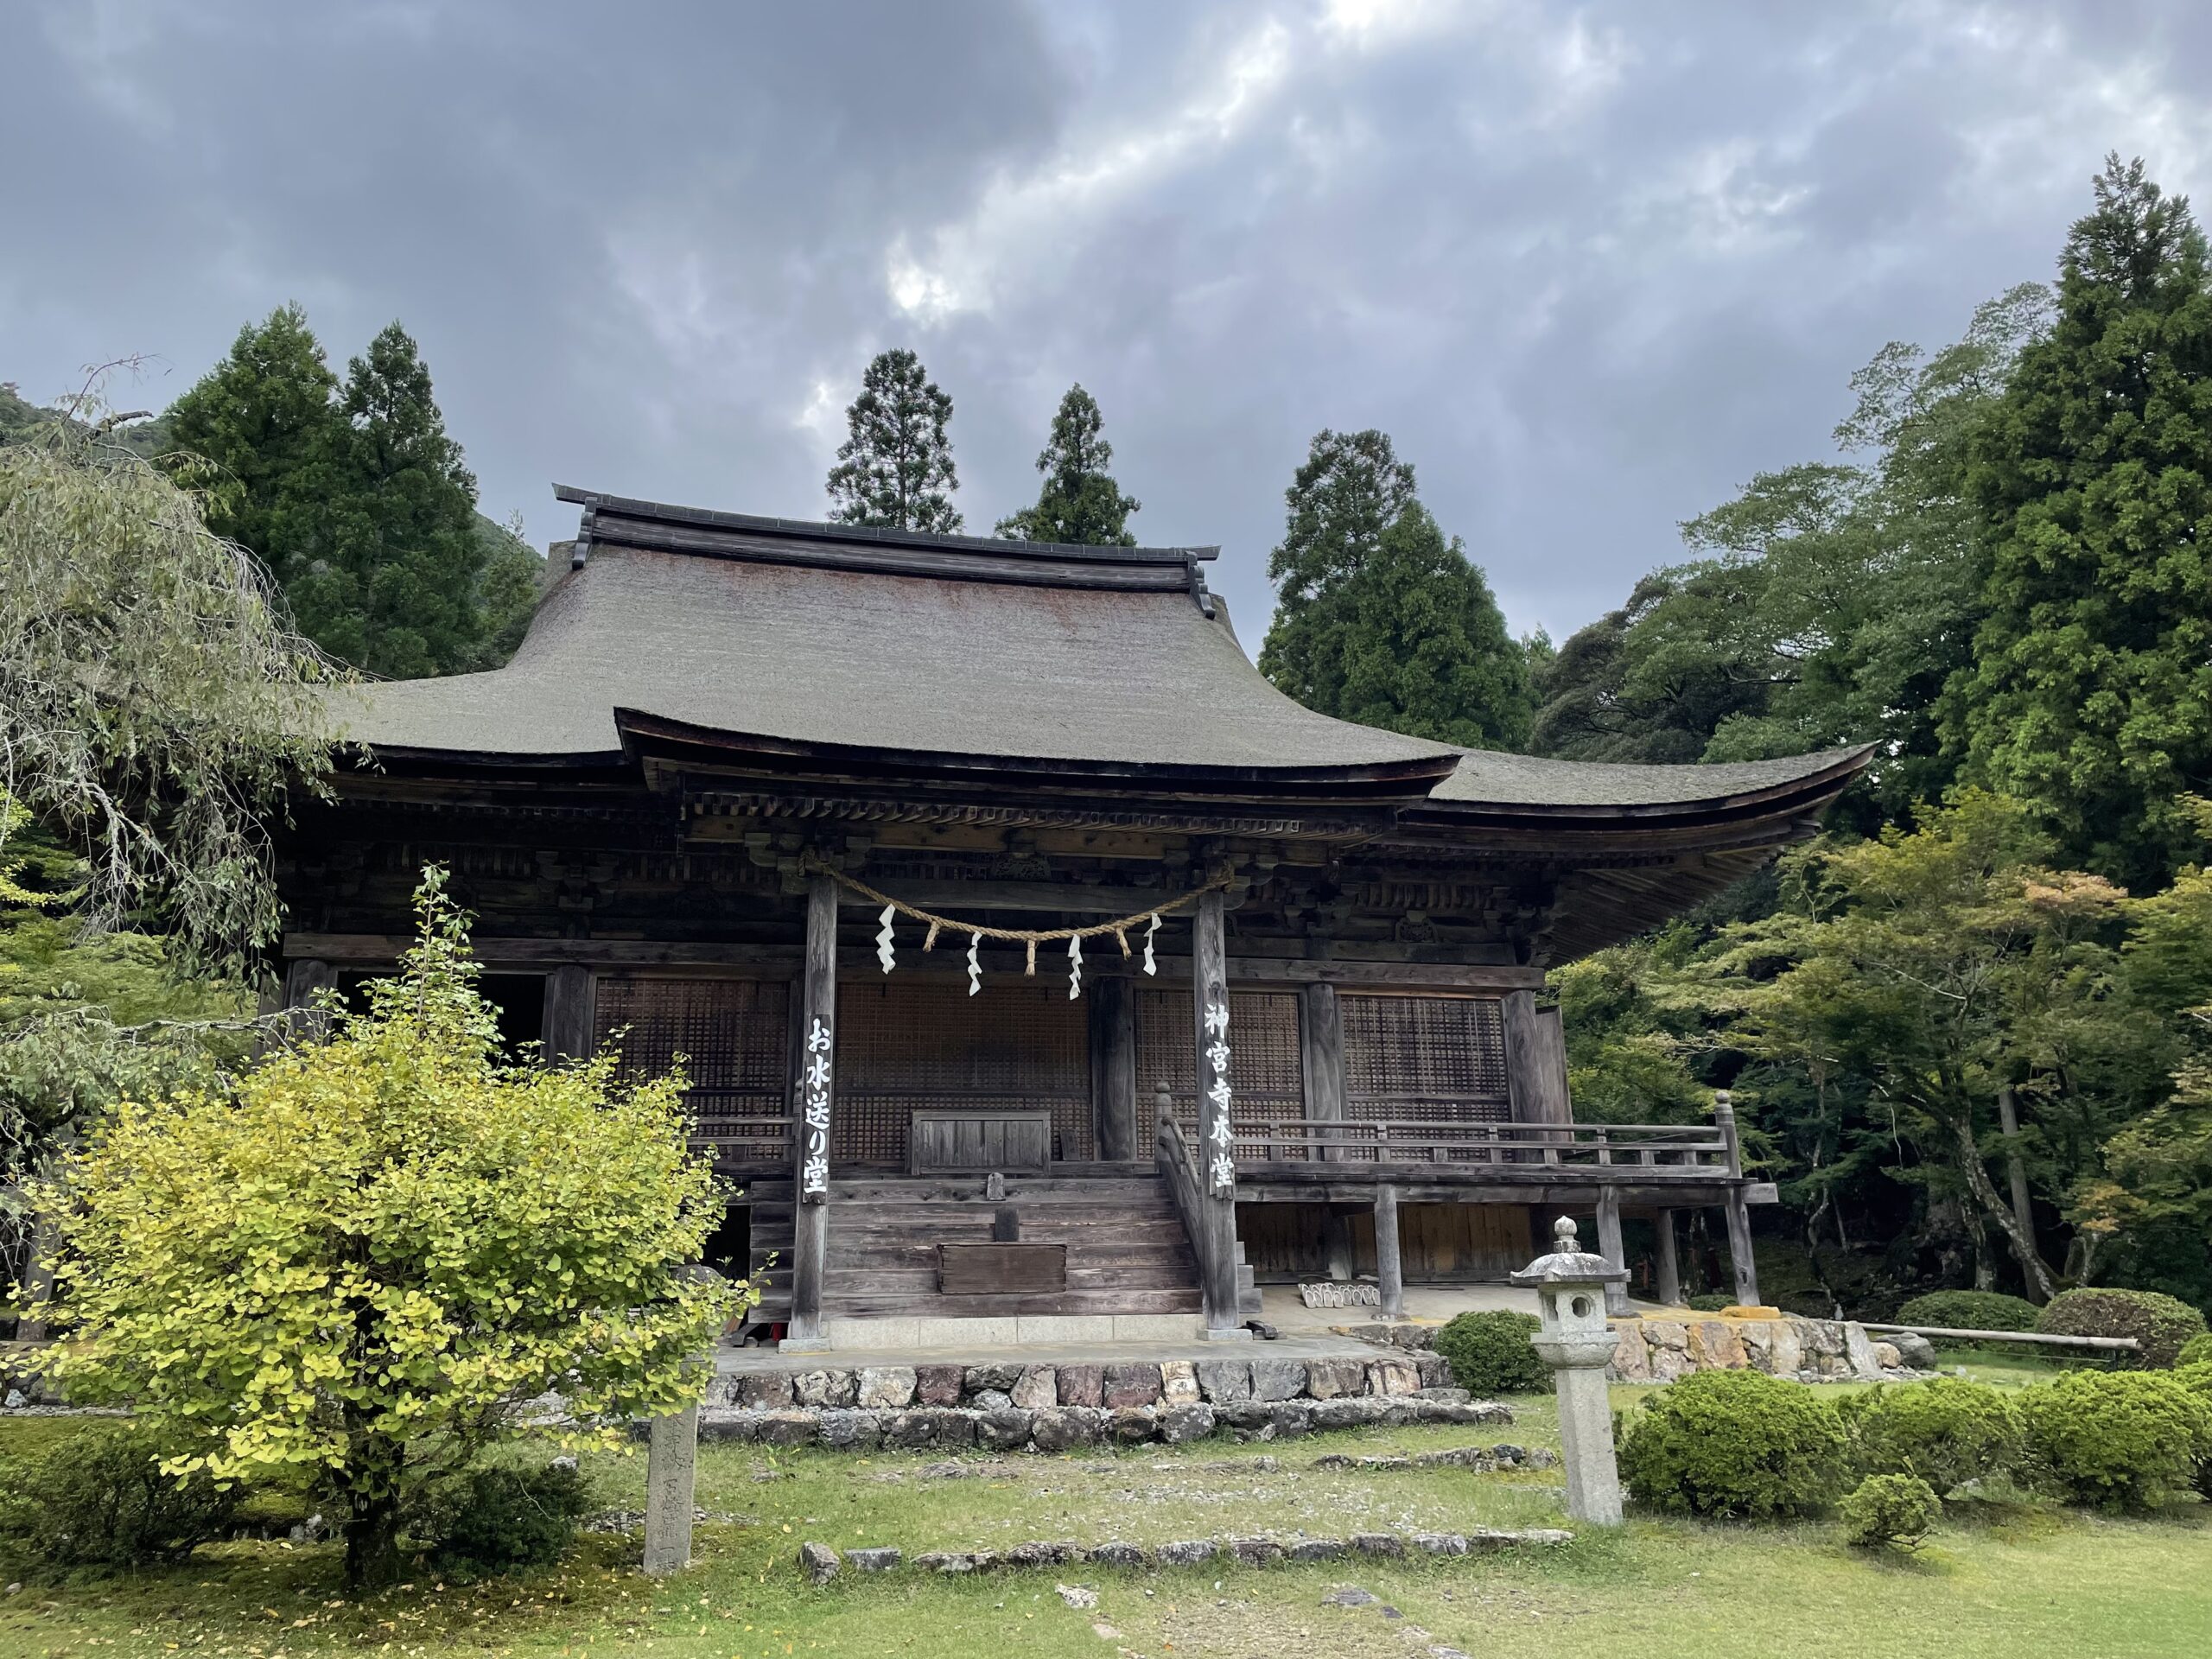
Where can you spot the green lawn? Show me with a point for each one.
(2017, 1579)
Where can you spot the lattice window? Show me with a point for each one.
(905, 1043)
(1428, 1060)
(1266, 1073)
(734, 1035)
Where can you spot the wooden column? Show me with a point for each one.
(567, 1033)
(1739, 1211)
(1321, 1046)
(1336, 1243)
(1609, 1247)
(1670, 1266)
(1113, 1068)
(1390, 1270)
(1535, 1061)
(813, 1093)
(1216, 1151)
(302, 979)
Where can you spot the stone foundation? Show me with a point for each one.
(1661, 1348)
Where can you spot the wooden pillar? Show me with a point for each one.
(1535, 1061)
(569, 1025)
(1739, 1213)
(1670, 1266)
(813, 1092)
(1321, 1044)
(1216, 1152)
(38, 1281)
(302, 979)
(1113, 1068)
(1336, 1243)
(1390, 1270)
(1609, 1247)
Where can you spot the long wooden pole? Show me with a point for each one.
(1216, 1152)
(814, 1093)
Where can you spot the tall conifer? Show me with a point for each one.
(2090, 694)
(894, 468)
(1079, 503)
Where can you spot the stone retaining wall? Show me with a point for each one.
(820, 1563)
(1813, 1350)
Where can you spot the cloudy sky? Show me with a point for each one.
(1592, 266)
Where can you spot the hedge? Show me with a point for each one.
(2161, 1323)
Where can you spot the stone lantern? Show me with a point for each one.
(1570, 1285)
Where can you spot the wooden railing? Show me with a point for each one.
(746, 1138)
(1661, 1148)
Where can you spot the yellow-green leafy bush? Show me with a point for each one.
(2115, 1439)
(1735, 1443)
(364, 1259)
(1946, 1430)
(1890, 1509)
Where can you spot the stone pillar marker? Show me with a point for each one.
(1571, 1285)
(672, 1468)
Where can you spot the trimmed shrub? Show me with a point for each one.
(97, 1498)
(1489, 1352)
(2197, 1350)
(1971, 1310)
(1736, 1442)
(1946, 1430)
(495, 1518)
(2196, 1377)
(2161, 1323)
(1884, 1510)
(2115, 1439)
(1709, 1302)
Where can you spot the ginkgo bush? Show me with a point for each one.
(361, 1262)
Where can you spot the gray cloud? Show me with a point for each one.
(1590, 266)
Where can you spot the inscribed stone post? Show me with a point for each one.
(671, 1465)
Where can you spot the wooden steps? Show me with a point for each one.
(1126, 1248)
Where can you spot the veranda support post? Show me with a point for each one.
(1670, 1266)
(1610, 1247)
(1389, 1267)
(1217, 1155)
(1739, 1208)
(813, 1092)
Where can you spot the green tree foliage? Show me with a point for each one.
(357, 498)
(1079, 503)
(363, 1259)
(1835, 599)
(1381, 620)
(2090, 694)
(154, 707)
(894, 468)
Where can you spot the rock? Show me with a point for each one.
(764, 1390)
(1440, 1543)
(824, 1389)
(910, 1429)
(946, 1427)
(1178, 1383)
(1786, 1349)
(1256, 1552)
(1914, 1351)
(1820, 1337)
(1887, 1356)
(1378, 1543)
(1225, 1379)
(873, 1561)
(1316, 1549)
(1131, 1425)
(1382, 1463)
(1290, 1418)
(1039, 1386)
(1715, 1346)
(1447, 1396)
(955, 1560)
(728, 1425)
(1115, 1554)
(1083, 1385)
(1669, 1365)
(1059, 1427)
(1001, 1378)
(1358, 1411)
(1004, 1430)
(1131, 1385)
(1666, 1333)
(1187, 1552)
(819, 1561)
(1389, 1377)
(993, 1400)
(1076, 1596)
(1326, 1379)
(845, 1430)
(1859, 1350)
(1350, 1595)
(885, 1388)
(1244, 1413)
(938, 1385)
(1278, 1379)
(1631, 1360)
(1181, 1424)
(1042, 1553)
(786, 1428)
(1486, 1542)
(1433, 1369)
